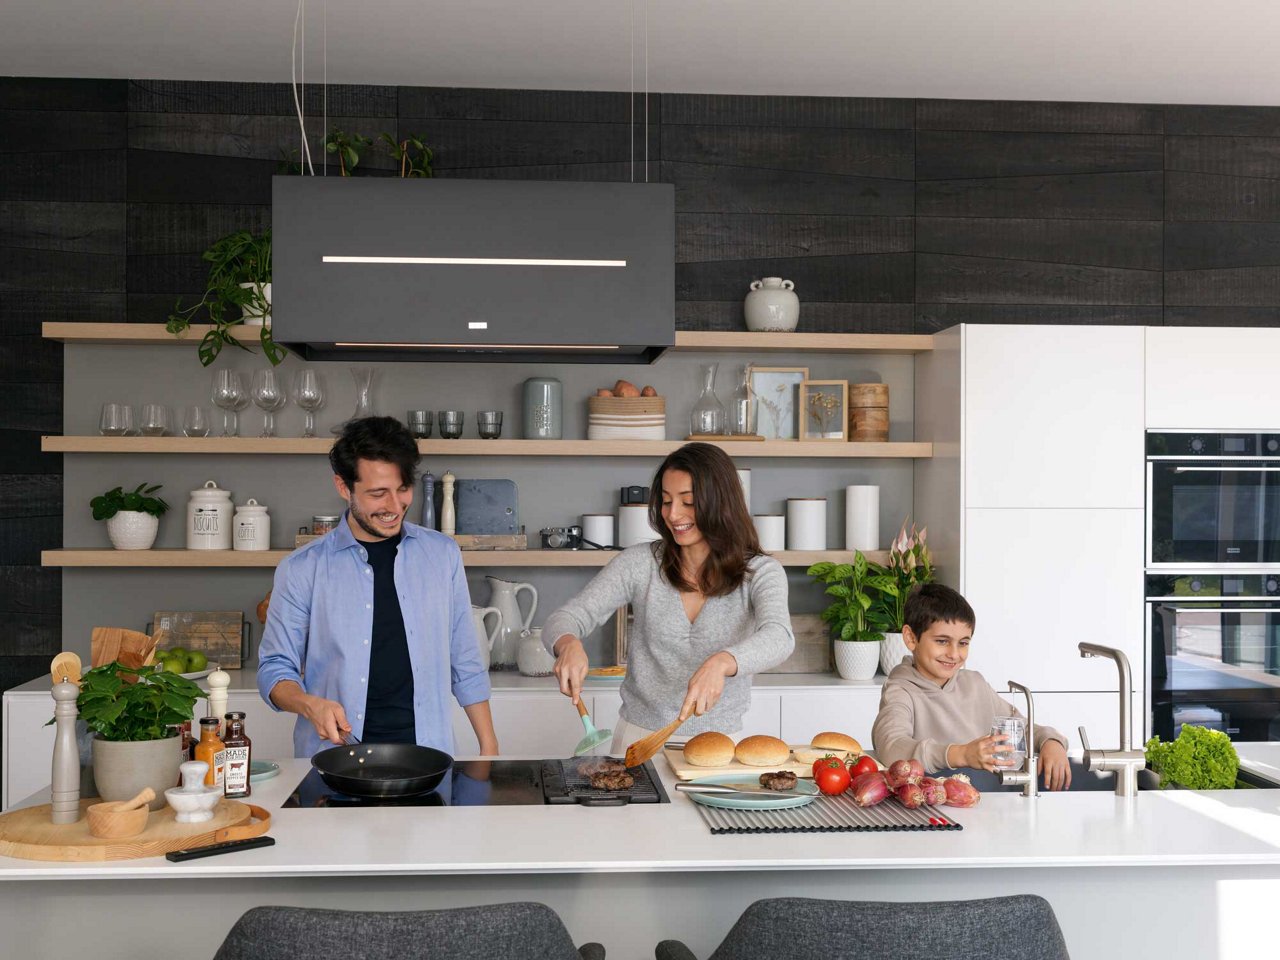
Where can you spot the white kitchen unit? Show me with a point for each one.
(850, 709)
(1213, 378)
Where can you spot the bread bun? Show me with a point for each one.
(762, 751)
(708, 749)
(836, 741)
(813, 754)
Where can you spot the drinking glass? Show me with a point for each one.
(451, 424)
(195, 421)
(1013, 751)
(308, 393)
(489, 423)
(230, 396)
(155, 420)
(420, 423)
(116, 420)
(269, 396)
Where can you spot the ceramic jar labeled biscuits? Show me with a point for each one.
(209, 518)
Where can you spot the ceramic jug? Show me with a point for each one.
(505, 596)
(485, 638)
(532, 657)
(772, 305)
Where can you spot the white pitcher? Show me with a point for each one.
(506, 597)
(485, 638)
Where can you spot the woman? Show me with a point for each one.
(710, 607)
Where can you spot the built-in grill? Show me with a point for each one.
(563, 781)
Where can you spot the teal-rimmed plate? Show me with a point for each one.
(803, 792)
(260, 770)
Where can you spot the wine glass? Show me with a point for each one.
(269, 396)
(308, 394)
(231, 397)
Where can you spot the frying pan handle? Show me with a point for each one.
(604, 801)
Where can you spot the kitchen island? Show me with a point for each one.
(1169, 874)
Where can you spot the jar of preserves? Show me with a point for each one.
(239, 757)
(212, 751)
(321, 525)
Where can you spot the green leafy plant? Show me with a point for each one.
(910, 563)
(348, 148)
(852, 585)
(135, 703)
(412, 153)
(238, 258)
(107, 505)
(1199, 759)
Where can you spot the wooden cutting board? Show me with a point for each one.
(687, 771)
(28, 835)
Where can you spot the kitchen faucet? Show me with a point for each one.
(1125, 762)
(1026, 777)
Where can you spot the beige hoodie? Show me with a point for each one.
(919, 719)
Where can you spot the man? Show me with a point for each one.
(369, 628)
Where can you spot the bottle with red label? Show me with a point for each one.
(239, 757)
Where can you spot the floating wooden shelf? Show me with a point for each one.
(686, 340)
(650, 449)
(470, 558)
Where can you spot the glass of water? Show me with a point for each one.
(1013, 752)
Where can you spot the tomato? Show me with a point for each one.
(832, 779)
(821, 762)
(864, 764)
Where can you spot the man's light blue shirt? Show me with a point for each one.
(320, 624)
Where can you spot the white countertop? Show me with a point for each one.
(1089, 829)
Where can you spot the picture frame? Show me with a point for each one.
(622, 621)
(824, 410)
(777, 394)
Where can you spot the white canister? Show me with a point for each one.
(252, 526)
(807, 524)
(598, 528)
(633, 525)
(772, 305)
(744, 477)
(209, 518)
(862, 518)
(771, 528)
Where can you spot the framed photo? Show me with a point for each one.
(622, 621)
(823, 405)
(777, 393)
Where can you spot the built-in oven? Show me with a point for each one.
(1213, 498)
(1214, 639)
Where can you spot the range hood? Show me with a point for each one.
(487, 270)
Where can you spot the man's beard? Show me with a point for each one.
(364, 523)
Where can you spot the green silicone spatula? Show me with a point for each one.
(594, 737)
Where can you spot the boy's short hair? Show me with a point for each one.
(930, 603)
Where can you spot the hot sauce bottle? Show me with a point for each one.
(239, 755)
(212, 751)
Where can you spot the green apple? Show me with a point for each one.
(196, 660)
(174, 665)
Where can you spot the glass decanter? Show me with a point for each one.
(742, 407)
(707, 415)
(363, 376)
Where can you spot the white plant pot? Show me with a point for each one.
(857, 659)
(251, 317)
(892, 649)
(132, 530)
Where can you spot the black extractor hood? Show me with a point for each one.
(382, 268)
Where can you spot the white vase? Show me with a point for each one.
(857, 659)
(772, 305)
(132, 530)
(892, 649)
(250, 317)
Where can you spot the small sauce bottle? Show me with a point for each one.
(239, 755)
(212, 751)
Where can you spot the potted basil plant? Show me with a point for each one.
(135, 713)
(133, 518)
(857, 641)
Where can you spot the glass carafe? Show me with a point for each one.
(363, 377)
(707, 416)
(742, 407)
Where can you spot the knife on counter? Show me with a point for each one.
(725, 788)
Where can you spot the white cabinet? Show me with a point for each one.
(1221, 378)
(848, 710)
(28, 754)
(1053, 416)
(1041, 581)
(529, 725)
(761, 717)
(270, 731)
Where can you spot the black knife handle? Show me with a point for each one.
(213, 849)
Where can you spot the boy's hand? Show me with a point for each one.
(1057, 771)
(985, 753)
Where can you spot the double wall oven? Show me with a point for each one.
(1213, 581)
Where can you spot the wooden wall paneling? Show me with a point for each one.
(856, 112)
(984, 280)
(1132, 244)
(1222, 121)
(944, 155)
(272, 99)
(933, 317)
(541, 106)
(30, 605)
(615, 171)
(35, 407)
(1201, 196)
(64, 227)
(463, 145)
(1226, 156)
(866, 278)
(1039, 116)
(1103, 196)
(815, 316)
(1203, 245)
(64, 175)
(729, 236)
(157, 176)
(705, 187)
(1238, 286)
(51, 93)
(867, 153)
(53, 131)
(22, 316)
(37, 270)
(20, 453)
(1231, 316)
(30, 516)
(183, 228)
(29, 360)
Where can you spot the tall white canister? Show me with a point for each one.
(252, 526)
(633, 525)
(771, 528)
(744, 477)
(209, 518)
(862, 518)
(807, 523)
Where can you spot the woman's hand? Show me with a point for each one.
(707, 683)
(1057, 771)
(571, 665)
(985, 753)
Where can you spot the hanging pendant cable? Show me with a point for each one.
(631, 100)
(324, 60)
(305, 158)
(646, 91)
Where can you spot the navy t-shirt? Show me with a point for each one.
(388, 712)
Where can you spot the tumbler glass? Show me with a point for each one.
(1013, 751)
(489, 423)
(419, 423)
(155, 420)
(116, 420)
(195, 421)
(451, 423)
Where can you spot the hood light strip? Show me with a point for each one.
(479, 261)
(485, 346)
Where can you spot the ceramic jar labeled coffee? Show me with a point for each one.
(252, 526)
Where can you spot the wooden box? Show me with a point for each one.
(813, 646)
(219, 634)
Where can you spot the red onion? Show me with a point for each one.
(869, 789)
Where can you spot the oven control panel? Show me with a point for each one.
(1207, 586)
(1192, 444)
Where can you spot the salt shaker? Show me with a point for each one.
(219, 680)
(448, 519)
(65, 791)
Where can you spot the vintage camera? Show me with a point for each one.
(561, 538)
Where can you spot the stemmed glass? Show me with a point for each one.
(308, 394)
(269, 396)
(230, 396)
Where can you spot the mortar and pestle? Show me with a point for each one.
(120, 819)
(193, 802)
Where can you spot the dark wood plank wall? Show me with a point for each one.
(890, 216)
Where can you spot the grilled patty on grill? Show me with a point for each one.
(620, 780)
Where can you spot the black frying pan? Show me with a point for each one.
(382, 769)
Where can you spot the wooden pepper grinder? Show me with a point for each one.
(448, 518)
(219, 680)
(66, 755)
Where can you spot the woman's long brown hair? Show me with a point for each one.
(721, 513)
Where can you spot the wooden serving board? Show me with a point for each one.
(687, 771)
(28, 835)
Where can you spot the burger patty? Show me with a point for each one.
(781, 780)
(589, 768)
(620, 780)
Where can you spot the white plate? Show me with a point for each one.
(803, 792)
(200, 674)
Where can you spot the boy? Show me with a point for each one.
(933, 711)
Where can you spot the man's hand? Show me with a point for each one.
(571, 665)
(328, 717)
(707, 683)
(1053, 761)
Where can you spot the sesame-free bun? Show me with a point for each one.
(836, 741)
(762, 751)
(709, 749)
(812, 754)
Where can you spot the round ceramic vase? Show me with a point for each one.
(857, 659)
(772, 306)
(122, 768)
(132, 530)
